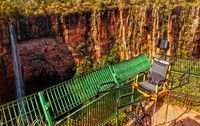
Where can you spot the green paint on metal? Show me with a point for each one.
(65, 97)
(72, 93)
(126, 70)
(96, 113)
(45, 107)
(22, 112)
(181, 65)
(114, 74)
(117, 118)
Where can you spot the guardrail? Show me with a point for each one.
(22, 112)
(74, 102)
(182, 65)
(54, 103)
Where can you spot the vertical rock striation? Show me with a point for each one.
(7, 79)
(194, 47)
(96, 38)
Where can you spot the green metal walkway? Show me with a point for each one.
(75, 101)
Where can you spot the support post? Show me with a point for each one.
(45, 108)
(117, 118)
(114, 75)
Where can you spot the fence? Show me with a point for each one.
(75, 102)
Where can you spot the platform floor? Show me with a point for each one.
(175, 116)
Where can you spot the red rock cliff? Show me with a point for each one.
(98, 37)
(7, 87)
(45, 61)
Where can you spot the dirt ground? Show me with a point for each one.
(168, 115)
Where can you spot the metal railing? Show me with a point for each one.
(55, 103)
(182, 64)
(26, 111)
(97, 112)
(74, 102)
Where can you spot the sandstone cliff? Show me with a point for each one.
(98, 37)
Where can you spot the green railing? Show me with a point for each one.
(54, 103)
(181, 65)
(127, 69)
(26, 111)
(74, 102)
(66, 96)
(97, 112)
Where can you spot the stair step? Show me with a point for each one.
(134, 117)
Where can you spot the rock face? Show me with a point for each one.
(96, 38)
(45, 61)
(195, 49)
(7, 79)
(122, 33)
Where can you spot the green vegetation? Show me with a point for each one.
(14, 9)
(86, 64)
(89, 62)
(112, 53)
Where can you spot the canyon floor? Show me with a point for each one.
(169, 115)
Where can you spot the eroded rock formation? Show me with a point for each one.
(133, 30)
(7, 87)
(45, 61)
(98, 37)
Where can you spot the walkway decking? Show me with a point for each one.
(176, 116)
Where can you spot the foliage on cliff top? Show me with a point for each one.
(16, 9)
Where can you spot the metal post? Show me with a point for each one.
(117, 118)
(117, 111)
(114, 75)
(45, 108)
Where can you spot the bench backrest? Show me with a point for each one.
(128, 69)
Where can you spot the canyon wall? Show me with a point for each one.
(7, 86)
(96, 38)
(120, 32)
(45, 62)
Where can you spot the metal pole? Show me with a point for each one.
(45, 108)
